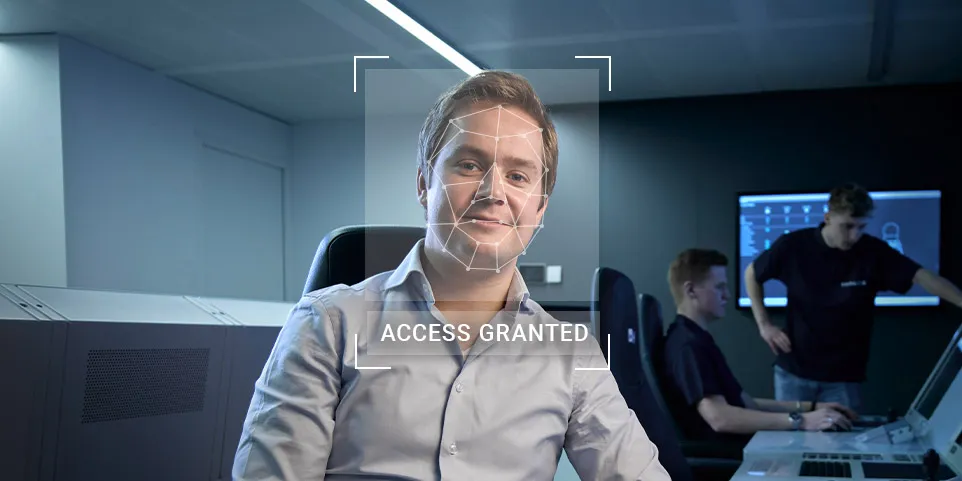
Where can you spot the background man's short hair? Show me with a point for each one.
(493, 86)
(851, 199)
(692, 265)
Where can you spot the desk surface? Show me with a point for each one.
(816, 442)
(779, 454)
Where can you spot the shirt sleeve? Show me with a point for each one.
(605, 440)
(288, 430)
(897, 270)
(694, 376)
(770, 264)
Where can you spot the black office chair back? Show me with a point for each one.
(350, 254)
(652, 330)
(614, 312)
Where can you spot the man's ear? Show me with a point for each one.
(422, 189)
(542, 207)
(688, 288)
(828, 217)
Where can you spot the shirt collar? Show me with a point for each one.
(692, 326)
(411, 271)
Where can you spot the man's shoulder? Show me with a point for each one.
(679, 342)
(873, 244)
(800, 236)
(679, 334)
(583, 342)
(344, 296)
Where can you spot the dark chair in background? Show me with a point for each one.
(615, 313)
(350, 254)
(652, 347)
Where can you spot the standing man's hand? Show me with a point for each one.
(775, 338)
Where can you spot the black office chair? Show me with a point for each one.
(651, 329)
(614, 313)
(652, 357)
(350, 254)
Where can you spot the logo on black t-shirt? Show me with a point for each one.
(854, 283)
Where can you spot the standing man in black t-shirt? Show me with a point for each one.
(832, 274)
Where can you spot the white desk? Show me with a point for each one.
(779, 454)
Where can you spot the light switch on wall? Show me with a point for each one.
(553, 275)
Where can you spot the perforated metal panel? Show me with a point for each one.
(140, 400)
(134, 383)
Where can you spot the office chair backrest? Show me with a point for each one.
(350, 254)
(652, 330)
(614, 312)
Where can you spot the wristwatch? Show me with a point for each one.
(796, 420)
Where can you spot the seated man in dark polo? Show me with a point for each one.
(707, 401)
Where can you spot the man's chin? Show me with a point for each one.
(487, 257)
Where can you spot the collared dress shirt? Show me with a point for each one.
(338, 399)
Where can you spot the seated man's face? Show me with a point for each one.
(484, 200)
(712, 293)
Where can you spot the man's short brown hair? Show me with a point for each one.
(506, 88)
(692, 265)
(851, 199)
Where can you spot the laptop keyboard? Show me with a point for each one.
(843, 456)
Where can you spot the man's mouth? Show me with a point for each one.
(486, 220)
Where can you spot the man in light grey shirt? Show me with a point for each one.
(445, 368)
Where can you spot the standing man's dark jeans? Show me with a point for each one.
(789, 387)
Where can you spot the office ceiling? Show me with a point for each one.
(293, 59)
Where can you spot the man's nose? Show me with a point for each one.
(491, 187)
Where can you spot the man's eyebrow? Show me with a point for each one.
(479, 153)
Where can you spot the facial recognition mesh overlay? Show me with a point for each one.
(909, 221)
(495, 195)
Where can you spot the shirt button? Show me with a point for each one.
(453, 448)
(459, 387)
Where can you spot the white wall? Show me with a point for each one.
(168, 189)
(327, 165)
(32, 238)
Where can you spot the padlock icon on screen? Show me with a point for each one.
(890, 234)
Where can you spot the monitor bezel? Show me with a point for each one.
(915, 419)
(739, 275)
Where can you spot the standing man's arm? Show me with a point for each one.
(767, 266)
(288, 430)
(605, 440)
(900, 272)
(938, 286)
